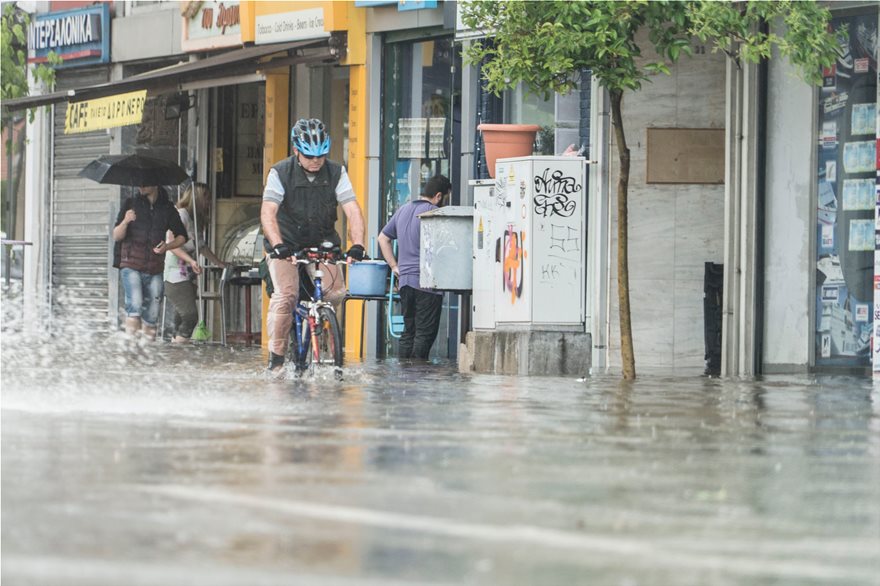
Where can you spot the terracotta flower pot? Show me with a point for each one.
(503, 141)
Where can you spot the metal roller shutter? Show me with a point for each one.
(80, 216)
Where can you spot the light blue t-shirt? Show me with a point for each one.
(404, 226)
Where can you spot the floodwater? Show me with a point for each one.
(143, 464)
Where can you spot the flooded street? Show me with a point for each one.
(146, 464)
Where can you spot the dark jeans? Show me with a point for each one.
(183, 299)
(421, 320)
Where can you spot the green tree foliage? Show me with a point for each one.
(547, 44)
(14, 84)
(13, 57)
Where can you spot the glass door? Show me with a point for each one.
(420, 114)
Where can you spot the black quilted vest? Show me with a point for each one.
(307, 216)
(153, 221)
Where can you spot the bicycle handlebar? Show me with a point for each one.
(309, 255)
(314, 254)
(325, 261)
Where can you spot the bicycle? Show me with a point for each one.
(316, 338)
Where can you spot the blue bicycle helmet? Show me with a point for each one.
(310, 137)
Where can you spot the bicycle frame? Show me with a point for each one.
(307, 311)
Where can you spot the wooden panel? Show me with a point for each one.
(685, 155)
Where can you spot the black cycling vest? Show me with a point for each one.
(307, 215)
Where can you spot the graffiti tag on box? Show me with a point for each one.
(512, 255)
(553, 194)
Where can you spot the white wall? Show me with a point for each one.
(789, 219)
(673, 229)
(148, 34)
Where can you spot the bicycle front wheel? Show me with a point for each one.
(328, 351)
(300, 338)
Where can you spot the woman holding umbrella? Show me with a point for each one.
(181, 264)
(140, 230)
(141, 227)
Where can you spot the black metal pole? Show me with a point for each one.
(10, 201)
(760, 210)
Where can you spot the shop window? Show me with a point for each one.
(157, 135)
(530, 108)
(558, 117)
(236, 157)
(327, 99)
(846, 175)
(421, 104)
(417, 113)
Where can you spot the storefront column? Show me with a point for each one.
(275, 146)
(738, 320)
(357, 170)
(35, 266)
(358, 165)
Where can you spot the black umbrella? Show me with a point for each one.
(134, 170)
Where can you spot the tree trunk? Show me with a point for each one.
(627, 357)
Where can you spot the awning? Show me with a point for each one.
(166, 79)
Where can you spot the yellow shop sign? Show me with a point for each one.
(101, 113)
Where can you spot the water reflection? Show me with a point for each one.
(125, 459)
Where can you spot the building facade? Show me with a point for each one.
(779, 203)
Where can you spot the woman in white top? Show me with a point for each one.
(181, 267)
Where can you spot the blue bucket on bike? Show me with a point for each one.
(368, 278)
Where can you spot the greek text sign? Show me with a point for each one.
(77, 36)
(101, 113)
(214, 25)
(290, 26)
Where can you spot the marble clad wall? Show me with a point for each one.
(788, 294)
(673, 229)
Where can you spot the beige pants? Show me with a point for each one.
(285, 280)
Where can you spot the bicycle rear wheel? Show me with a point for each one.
(329, 342)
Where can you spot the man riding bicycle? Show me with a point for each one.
(299, 211)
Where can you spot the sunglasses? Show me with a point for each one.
(312, 157)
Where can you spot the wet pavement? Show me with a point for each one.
(143, 464)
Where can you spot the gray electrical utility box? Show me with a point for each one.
(446, 249)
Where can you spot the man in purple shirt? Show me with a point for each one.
(421, 307)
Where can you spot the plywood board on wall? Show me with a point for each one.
(685, 155)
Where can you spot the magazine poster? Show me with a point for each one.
(848, 200)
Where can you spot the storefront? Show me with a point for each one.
(333, 91)
(79, 210)
(232, 123)
(420, 104)
(222, 141)
(430, 104)
(847, 277)
(207, 112)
